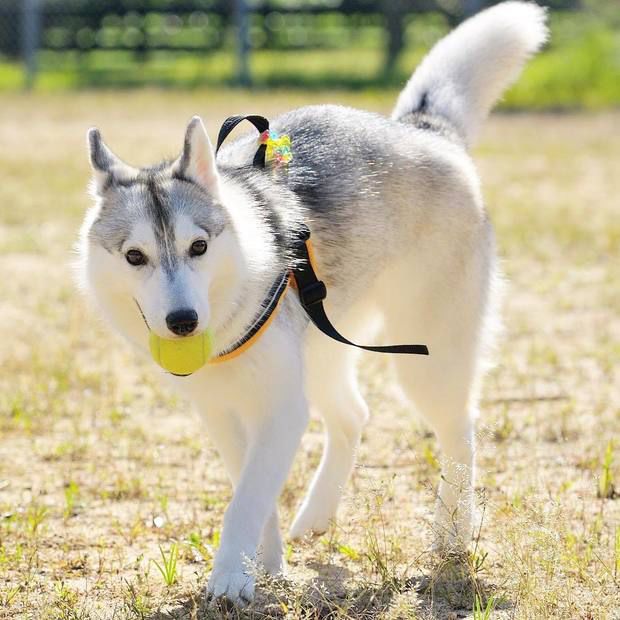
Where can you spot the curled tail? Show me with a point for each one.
(467, 71)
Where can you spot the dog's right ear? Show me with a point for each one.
(197, 161)
(106, 166)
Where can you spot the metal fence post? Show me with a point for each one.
(242, 15)
(30, 39)
(471, 7)
(394, 11)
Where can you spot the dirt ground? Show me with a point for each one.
(102, 470)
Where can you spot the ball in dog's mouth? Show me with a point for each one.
(181, 356)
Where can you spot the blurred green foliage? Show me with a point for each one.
(579, 68)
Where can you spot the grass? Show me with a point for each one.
(483, 612)
(101, 468)
(168, 566)
(606, 487)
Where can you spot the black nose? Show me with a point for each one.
(182, 322)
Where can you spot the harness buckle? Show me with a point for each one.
(313, 293)
(303, 233)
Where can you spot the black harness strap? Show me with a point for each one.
(310, 289)
(313, 291)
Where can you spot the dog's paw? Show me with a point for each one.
(453, 531)
(447, 546)
(310, 522)
(272, 560)
(449, 540)
(233, 585)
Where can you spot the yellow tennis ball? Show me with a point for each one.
(181, 356)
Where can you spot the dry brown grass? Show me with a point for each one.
(100, 466)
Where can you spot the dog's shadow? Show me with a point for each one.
(446, 592)
(319, 597)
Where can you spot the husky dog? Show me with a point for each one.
(400, 232)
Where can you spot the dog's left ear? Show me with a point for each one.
(197, 161)
(106, 166)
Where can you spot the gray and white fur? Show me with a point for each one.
(401, 238)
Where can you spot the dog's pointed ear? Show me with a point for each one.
(197, 161)
(105, 164)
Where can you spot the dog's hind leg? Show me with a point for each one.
(450, 314)
(333, 389)
(441, 397)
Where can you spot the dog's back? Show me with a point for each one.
(371, 187)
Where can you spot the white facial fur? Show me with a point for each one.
(209, 284)
(160, 291)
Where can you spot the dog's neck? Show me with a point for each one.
(257, 265)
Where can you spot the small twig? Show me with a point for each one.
(525, 399)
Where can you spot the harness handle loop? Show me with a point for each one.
(261, 124)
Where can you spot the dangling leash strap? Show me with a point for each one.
(312, 291)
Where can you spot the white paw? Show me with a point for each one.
(273, 561)
(452, 533)
(310, 522)
(447, 543)
(233, 584)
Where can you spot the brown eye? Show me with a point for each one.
(198, 248)
(135, 258)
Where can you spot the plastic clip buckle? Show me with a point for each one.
(313, 294)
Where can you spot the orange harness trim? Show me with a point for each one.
(254, 338)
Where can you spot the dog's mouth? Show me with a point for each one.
(142, 314)
(148, 327)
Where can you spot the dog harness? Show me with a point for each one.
(303, 276)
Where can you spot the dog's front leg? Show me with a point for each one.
(229, 435)
(273, 435)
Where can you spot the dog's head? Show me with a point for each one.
(159, 242)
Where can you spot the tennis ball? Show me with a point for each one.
(181, 356)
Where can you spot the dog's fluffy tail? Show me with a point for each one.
(467, 71)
